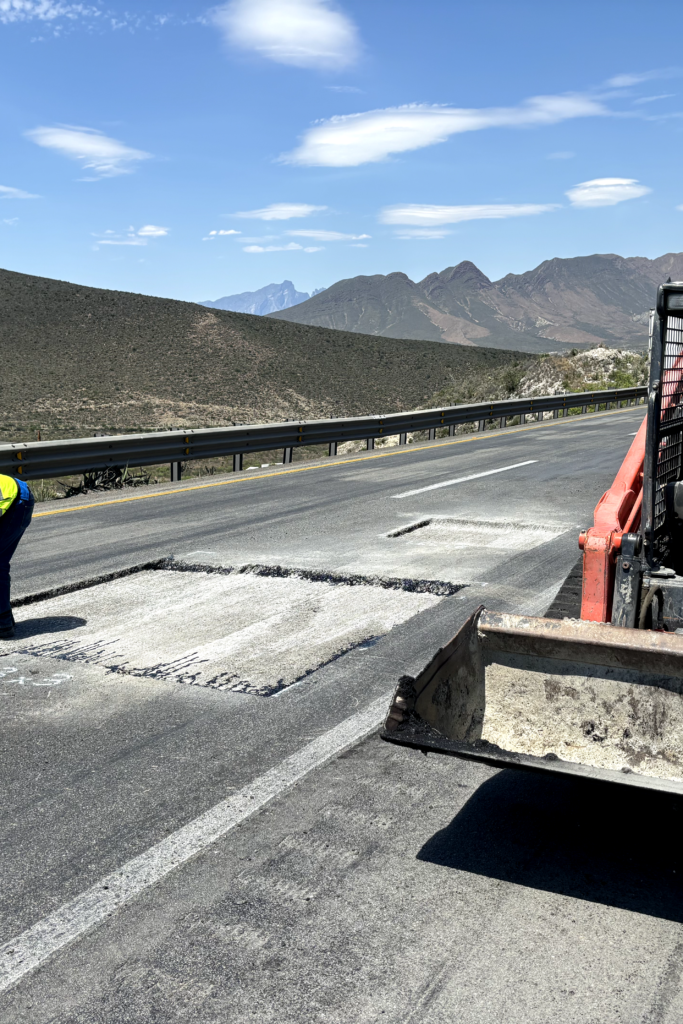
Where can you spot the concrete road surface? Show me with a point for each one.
(198, 821)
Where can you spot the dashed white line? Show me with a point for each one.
(33, 947)
(463, 479)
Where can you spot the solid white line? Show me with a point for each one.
(30, 949)
(463, 479)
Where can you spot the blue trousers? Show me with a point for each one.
(12, 526)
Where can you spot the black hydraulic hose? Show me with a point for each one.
(649, 598)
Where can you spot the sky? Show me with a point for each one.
(195, 151)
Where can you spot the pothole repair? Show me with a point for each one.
(254, 629)
(507, 535)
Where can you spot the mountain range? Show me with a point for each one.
(269, 299)
(561, 304)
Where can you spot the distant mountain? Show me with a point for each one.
(266, 300)
(588, 300)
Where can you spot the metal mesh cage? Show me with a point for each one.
(671, 440)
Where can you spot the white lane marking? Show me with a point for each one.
(463, 479)
(30, 949)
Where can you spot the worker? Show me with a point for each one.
(16, 509)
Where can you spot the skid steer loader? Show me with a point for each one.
(600, 696)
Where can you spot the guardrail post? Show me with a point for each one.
(286, 455)
(403, 439)
(176, 472)
(432, 433)
(237, 462)
(555, 413)
(522, 418)
(503, 421)
(451, 430)
(482, 425)
(584, 408)
(332, 450)
(370, 444)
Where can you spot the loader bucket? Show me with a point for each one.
(580, 698)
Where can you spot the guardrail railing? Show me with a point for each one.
(33, 460)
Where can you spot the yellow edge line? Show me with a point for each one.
(330, 465)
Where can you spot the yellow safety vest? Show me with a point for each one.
(9, 488)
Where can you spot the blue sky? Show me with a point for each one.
(193, 151)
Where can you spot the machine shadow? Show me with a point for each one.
(49, 624)
(594, 841)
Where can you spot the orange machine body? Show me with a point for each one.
(617, 512)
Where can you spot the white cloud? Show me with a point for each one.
(424, 233)
(627, 80)
(44, 10)
(563, 154)
(10, 221)
(15, 193)
(152, 231)
(132, 237)
(651, 99)
(95, 151)
(281, 211)
(291, 246)
(121, 241)
(326, 236)
(606, 191)
(343, 88)
(422, 214)
(352, 139)
(215, 234)
(302, 33)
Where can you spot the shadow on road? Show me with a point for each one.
(591, 840)
(49, 624)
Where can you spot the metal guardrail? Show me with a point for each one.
(34, 460)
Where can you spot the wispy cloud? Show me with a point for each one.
(59, 17)
(343, 88)
(10, 221)
(563, 154)
(15, 193)
(625, 81)
(352, 139)
(290, 247)
(281, 211)
(93, 150)
(302, 33)
(44, 10)
(606, 191)
(651, 99)
(131, 237)
(326, 236)
(152, 231)
(427, 234)
(422, 214)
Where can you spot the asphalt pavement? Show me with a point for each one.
(373, 883)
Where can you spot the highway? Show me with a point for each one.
(369, 882)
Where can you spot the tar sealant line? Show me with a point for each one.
(463, 479)
(33, 947)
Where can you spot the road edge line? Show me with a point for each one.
(37, 944)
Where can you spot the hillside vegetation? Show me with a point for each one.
(79, 359)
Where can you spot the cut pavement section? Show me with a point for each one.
(243, 632)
